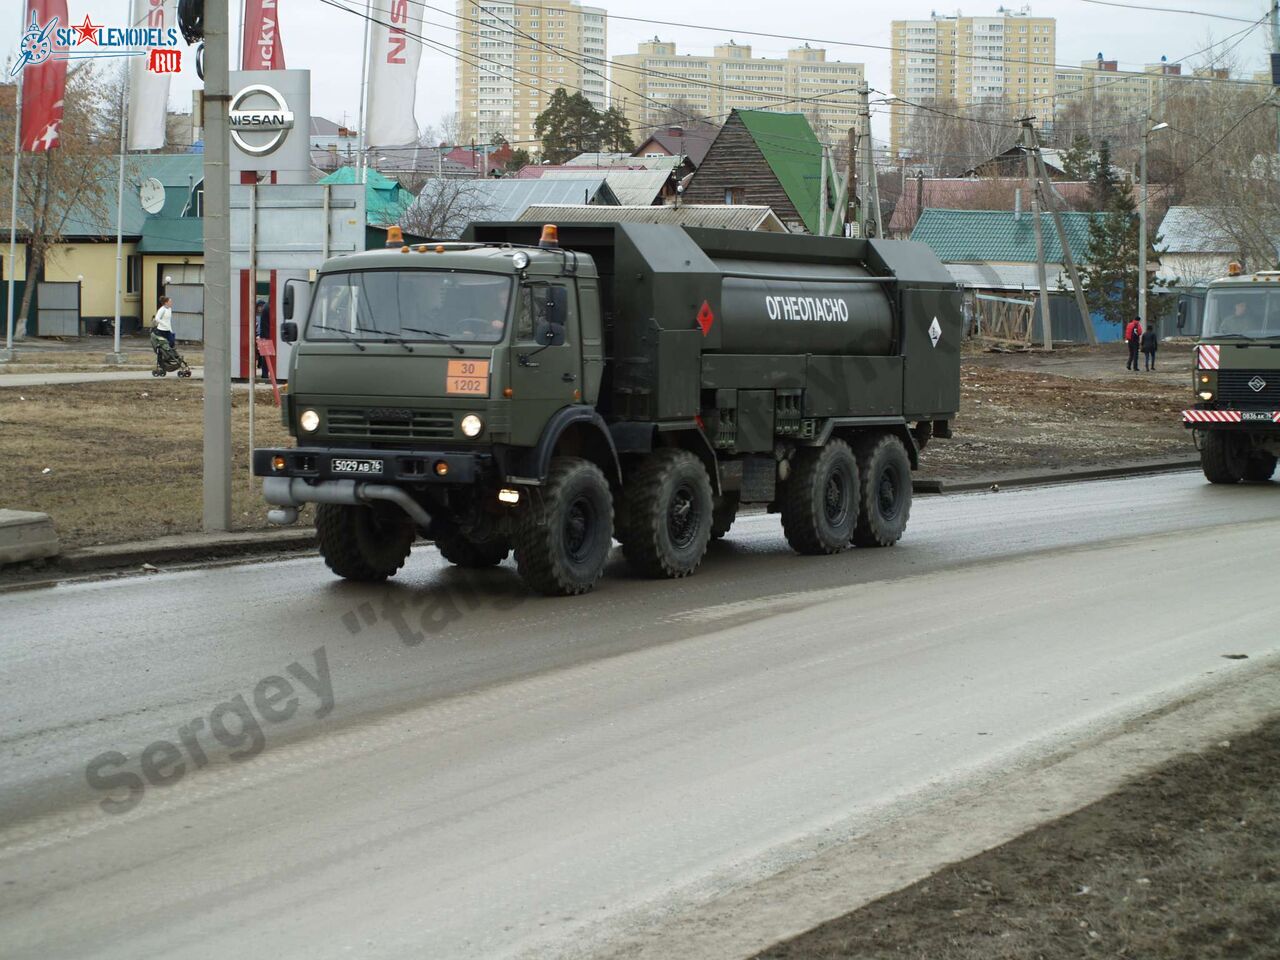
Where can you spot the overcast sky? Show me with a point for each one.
(328, 41)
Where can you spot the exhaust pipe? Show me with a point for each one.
(289, 493)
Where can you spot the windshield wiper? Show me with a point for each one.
(388, 336)
(1226, 336)
(434, 333)
(351, 337)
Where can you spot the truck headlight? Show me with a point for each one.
(309, 421)
(1206, 394)
(472, 425)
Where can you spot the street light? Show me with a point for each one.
(1142, 226)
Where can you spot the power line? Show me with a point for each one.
(1139, 6)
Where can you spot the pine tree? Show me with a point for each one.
(1077, 160)
(569, 126)
(1110, 275)
(615, 132)
(1103, 185)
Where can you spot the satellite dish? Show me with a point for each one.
(151, 195)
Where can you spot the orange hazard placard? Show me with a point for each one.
(469, 378)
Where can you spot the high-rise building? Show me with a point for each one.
(1005, 60)
(1098, 92)
(655, 84)
(515, 57)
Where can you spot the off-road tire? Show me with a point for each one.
(1260, 468)
(1221, 457)
(364, 543)
(723, 513)
(562, 544)
(462, 551)
(819, 502)
(669, 506)
(885, 502)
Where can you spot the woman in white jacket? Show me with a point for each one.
(163, 321)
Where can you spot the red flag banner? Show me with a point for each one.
(44, 81)
(262, 49)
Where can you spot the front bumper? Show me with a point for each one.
(398, 466)
(1202, 418)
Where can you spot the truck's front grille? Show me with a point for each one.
(1236, 388)
(394, 425)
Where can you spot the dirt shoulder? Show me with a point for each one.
(1183, 862)
(1074, 407)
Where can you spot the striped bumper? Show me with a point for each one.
(1230, 416)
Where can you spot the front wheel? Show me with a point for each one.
(1222, 457)
(886, 492)
(669, 514)
(364, 543)
(561, 549)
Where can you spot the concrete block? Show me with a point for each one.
(26, 536)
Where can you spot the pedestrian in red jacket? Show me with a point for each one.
(1133, 337)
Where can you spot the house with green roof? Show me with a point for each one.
(386, 201)
(768, 159)
(166, 245)
(992, 253)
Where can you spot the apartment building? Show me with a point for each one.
(1099, 89)
(805, 81)
(517, 55)
(957, 60)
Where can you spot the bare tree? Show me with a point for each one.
(444, 207)
(454, 130)
(77, 178)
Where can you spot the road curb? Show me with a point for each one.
(1070, 475)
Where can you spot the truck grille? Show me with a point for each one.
(1234, 388)
(391, 425)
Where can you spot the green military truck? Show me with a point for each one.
(1237, 379)
(548, 394)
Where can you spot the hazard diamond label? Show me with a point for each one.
(705, 318)
(935, 331)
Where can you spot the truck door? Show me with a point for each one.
(545, 376)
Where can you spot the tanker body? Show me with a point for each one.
(637, 382)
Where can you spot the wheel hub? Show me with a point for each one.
(682, 518)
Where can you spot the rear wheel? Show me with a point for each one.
(820, 499)
(364, 543)
(462, 551)
(668, 514)
(561, 549)
(1222, 457)
(885, 501)
(1260, 468)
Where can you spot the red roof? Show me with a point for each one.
(496, 158)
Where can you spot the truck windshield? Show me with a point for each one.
(410, 305)
(1242, 312)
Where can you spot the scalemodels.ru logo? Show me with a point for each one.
(153, 40)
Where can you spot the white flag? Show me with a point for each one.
(394, 55)
(148, 89)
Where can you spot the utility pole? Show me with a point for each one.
(1275, 56)
(115, 356)
(1067, 258)
(8, 354)
(851, 176)
(870, 221)
(1046, 322)
(1148, 130)
(217, 271)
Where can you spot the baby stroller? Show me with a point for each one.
(168, 358)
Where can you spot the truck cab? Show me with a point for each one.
(1236, 378)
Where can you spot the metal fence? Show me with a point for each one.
(188, 310)
(59, 313)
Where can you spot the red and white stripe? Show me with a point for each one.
(1211, 416)
(1208, 356)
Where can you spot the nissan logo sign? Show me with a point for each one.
(259, 129)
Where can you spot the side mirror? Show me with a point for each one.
(1182, 313)
(287, 303)
(289, 330)
(550, 328)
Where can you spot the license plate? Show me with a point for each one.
(1253, 416)
(356, 466)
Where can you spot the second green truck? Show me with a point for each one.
(640, 382)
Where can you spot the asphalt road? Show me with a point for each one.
(447, 767)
